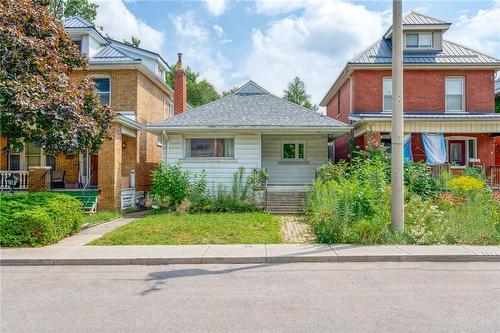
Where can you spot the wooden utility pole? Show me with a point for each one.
(397, 166)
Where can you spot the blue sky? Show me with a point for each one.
(229, 42)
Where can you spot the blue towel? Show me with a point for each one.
(435, 148)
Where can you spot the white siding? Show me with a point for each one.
(438, 40)
(246, 154)
(293, 172)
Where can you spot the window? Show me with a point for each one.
(387, 102)
(159, 140)
(78, 44)
(102, 89)
(33, 155)
(161, 72)
(419, 40)
(293, 150)
(50, 160)
(210, 147)
(338, 104)
(171, 109)
(454, 87)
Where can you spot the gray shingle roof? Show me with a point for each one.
(414, 18)
(76, 22)
(251, 106)
(428, 116)
(452, 53)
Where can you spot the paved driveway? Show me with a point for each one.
(354, 297)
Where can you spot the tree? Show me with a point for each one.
(66, 8)
(230, 91)
(296, 93)
(39, 103)
(198, 93)
(133, 41)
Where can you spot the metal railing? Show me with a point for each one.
(21, 175)
(495, 176)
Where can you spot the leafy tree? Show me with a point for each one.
(230, 91)
(497, 104)
(296, 93)
(39, 102)
(67, 8)
(133, 41)
(198, 92)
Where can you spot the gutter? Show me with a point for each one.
(122, 120)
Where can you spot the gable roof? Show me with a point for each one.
(76, 22)
(381, 53)
(414, 18)
(250, 107)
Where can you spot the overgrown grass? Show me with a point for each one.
(100, 217)
(214, 228)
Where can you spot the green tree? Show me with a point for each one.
(497, 104)
(67, 8)
(38, 101)
(230, 91)
(198, 92)
(133, 41)
(296, 93)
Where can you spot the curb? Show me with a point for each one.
(249, 260)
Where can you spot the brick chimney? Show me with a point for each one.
(180, 90)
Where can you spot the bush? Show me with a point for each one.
(239, 199)
(465, 185)
(170, 185)
(424, 222)
(419, 181)
(475, 172)
(38, 219)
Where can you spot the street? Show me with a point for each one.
(353, 297)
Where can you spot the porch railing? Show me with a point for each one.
(437, 169)
(495, 176)
(23, 180)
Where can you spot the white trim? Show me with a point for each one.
(296, 143)
(462, 79)
(467, 158)
(418, 47)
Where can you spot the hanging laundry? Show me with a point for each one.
(435, 148)
(408, 155)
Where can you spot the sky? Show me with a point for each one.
(271, 41)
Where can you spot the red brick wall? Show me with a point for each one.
(341, 143)
(424, 90)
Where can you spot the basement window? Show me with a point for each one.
(210, 147)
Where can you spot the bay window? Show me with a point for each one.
(210, 147)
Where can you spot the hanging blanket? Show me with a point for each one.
(435, 148)
(408, 155)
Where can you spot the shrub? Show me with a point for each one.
(239, 199)
(424, 222)
(419, 181)
(170, 185)
(38, 219)
(465, 185)
(475, 172)
(198, 192)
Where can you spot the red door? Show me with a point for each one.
(93, 169)
(456, 151)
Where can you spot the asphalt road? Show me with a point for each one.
(352, 297)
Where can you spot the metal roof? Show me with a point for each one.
(76, 22)
(427, 116)
(108, 53)
(414, 18)
(381, 53)
(251, 107)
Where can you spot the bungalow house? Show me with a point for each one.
(132, 81)
(449, 97)
(254, 129)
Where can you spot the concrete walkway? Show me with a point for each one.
(71, 254)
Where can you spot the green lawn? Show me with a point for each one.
(100, 217)
(216, 228)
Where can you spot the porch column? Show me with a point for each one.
(110, 170)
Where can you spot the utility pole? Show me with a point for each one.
(397, 167)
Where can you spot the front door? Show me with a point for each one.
(93, 169)
(456, 150)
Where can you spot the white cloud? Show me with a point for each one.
(272, 7)
(216, 7)
(479, 31)
(314, 45)
(219, 31)
(119, 23)
(193, 40)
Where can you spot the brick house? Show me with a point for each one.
(132, 81)
(448, 88)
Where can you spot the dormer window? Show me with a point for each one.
(78, 44)
(420, 40)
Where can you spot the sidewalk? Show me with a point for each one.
(64, 254)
